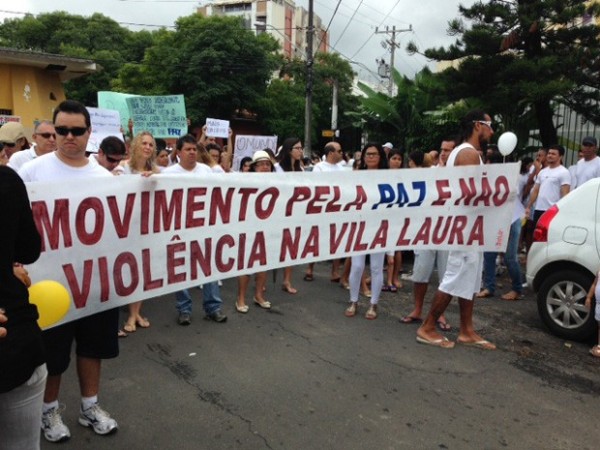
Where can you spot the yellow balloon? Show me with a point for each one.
(52, 300)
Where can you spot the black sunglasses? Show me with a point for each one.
(9, 144)
(112, 160)
(46, 135)
(75, 131)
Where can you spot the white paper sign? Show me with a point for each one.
(217, 128)
(246, 145)
(105, 122)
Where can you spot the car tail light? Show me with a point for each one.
(541, 229)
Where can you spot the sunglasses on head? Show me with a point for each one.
(75, 131)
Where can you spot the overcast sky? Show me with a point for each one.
(351, 31)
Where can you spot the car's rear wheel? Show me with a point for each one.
(561, 305)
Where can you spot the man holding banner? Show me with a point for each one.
(463, 271)
(95, 335)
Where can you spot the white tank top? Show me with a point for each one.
(452, 157)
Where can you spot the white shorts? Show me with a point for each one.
(462, 278)
(424, 262)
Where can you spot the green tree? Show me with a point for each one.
(282, 109)
(218, 65)
(519, 56)
(96, 37)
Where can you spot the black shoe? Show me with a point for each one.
(184, 319)
(217, 316)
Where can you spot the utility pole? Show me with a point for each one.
(393, 46)
(309, 81)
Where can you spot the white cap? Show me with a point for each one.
(261, 155)
(388, 145)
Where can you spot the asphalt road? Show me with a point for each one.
(303, 376)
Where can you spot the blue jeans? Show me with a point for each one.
(211, 296)
(511, 259)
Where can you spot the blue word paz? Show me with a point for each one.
(390, 196)
(173, 131)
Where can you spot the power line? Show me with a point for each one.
(369, 38)
(329, 24)
(349, 22)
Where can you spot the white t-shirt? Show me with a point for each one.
(48, 168)
(325, 166)
(18, 159)
(550, 181)
(216, 168)
(585, 170)
(200, 168)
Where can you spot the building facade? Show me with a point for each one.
(282, 19)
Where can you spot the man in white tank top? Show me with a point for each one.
(463, 271)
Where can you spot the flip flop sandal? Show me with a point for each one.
(411, 319)
(308, 277)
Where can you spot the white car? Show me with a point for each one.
(563, 261)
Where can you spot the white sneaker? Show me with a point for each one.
(53, 427)
(98, 419)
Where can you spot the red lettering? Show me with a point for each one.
(121, 226)
(245, 193)
(289, 244)
(224, 266)
(126, 258)
(359, 200)
(423, 233)
(336, 239)
(104, 283)
(80, 294)
(149, 283)
(502, 191)
(168, 213)
(241, 251)
(193, 205)
(458, 226)
(439, 234)
(174, 261)
(443, 190)
(402, 241)
(333, 206)
(319, 196)
(258, 253)
(145, 219)
(476, 234)
(351, 236)
(59, 225)
(300, 194)
(200, 259)
(94, 204)
(486, 193)
(381, 235)
(359, 245)
(312, 243)
(220, 204)
(467, 191)
(263, 212)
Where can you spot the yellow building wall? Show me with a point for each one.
(28, 92)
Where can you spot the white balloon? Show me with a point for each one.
(507, 143)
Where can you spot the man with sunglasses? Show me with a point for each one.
(462, 277)
(95, 335)
(110, 153)
(44, 141)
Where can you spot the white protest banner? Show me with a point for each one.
(217, 128)
(162, 115)
(123, 239)
(246, 145)
(105, 122)
(116, 101)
